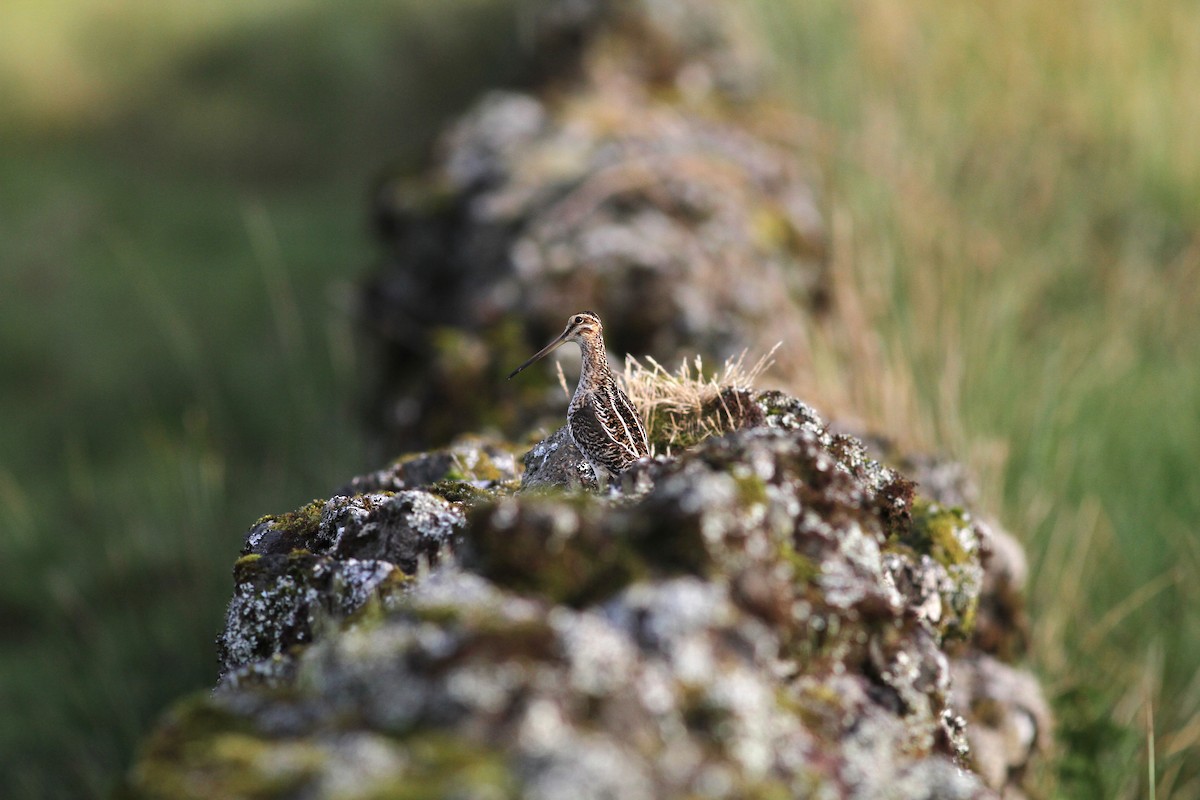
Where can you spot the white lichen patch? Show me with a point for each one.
(601, 655)
(430, 516)
(662, 615)
(258, 617)
(585, 767)
(485, 688)
(360, 766)
(341, 514)
(354, 581)
(857, 573)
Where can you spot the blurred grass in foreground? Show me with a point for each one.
(1015, 196)
(182, 216)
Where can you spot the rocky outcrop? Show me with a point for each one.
(768, 613)
(645, 187)
(772, 613)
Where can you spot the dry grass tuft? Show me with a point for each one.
(689, 405)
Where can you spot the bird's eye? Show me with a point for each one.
(577, 320)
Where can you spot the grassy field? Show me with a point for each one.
(1015, 206)
(1015, 192)
(182, 219)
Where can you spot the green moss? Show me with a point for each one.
(297, 525)
(438, 615)
(771, 229)
(554, 546)
(483, 468)
(752, 490)
(804, 569)
(374, 611)
(767, 790)
(935, 532)
(443, 765)
(203, 751)
(457, 490)
(245, 567)
(964, 606)
(967, 617)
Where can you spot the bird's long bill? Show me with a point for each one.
(545, 351)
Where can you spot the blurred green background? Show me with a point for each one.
(1014, 197)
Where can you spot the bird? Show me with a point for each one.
(601, 420)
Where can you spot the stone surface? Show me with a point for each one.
(1011, 723)
(321, 564)
(484, 463)
(556, 461)
(771, 613)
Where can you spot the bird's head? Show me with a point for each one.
(581, 326)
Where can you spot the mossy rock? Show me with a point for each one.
(202, 751)
(555, 547)
(282, 533)
(772, 582)
(936, 531)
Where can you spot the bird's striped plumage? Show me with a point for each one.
(601, 420)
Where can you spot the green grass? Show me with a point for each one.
(1014, 196)
(161, 394)
(182, 222)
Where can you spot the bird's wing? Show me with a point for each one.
(631, 419)
(602, 435)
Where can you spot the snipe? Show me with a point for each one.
(601, 420)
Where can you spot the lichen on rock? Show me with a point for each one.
(301, 570)
(767, 615)
(484, 463)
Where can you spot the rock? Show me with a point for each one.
(278, 602)
(300, 570)
(606, 193)
(772, 613)
(1002, 625)
(1011, 723)
(556, 461)
(485, 464)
